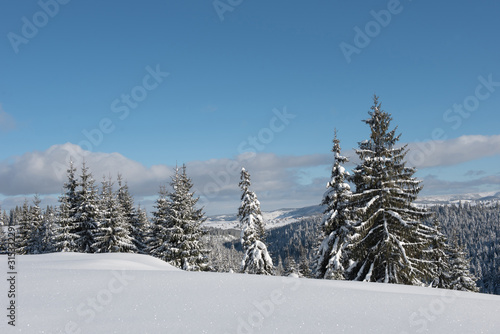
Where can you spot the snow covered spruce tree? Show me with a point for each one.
(304, 266)
(185, 231)
(176, 235)
(159, 241)
(290, 267)
(65, 238)
(256, 259)
(331, 260)
(142, 230)
(48, 232)
(451, 266)
(35, 232)
(130, 215)
(439, 249)
(23, 229)
(87, 212)
(112, 234)
(460, 277)
(388, 244)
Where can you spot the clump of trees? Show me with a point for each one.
(89, 220)
(376, 233)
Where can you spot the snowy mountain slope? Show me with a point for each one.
(73, 293)
(276, 218)
(449, 199)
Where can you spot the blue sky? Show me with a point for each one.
(155, 83)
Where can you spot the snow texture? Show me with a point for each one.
(131, 293)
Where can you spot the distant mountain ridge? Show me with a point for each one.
(449, 199)
(285, 216)
(275, 218)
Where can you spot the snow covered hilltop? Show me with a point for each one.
(131, 293)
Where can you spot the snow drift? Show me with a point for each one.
(130, 293)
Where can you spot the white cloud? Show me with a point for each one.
(7, 122)
(45, 172)
(453, 151)
(275, 179)
(435, 186)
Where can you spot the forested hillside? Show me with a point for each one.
(477, 228)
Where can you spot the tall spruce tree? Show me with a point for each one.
(49, 230)
(35, 233)
(257, 259)
(460, 276)
(280, 269)
(158, 241)
(387, 245)
(290, 267)
(176, 231)
(142, 228)
(187, 250)
(65, 237)
(112, 235)
(87, 211)
(331, 259)
(304, 266)
(439, 252)
(23, 218)
(131, 215)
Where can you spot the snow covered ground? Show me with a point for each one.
(130, 293)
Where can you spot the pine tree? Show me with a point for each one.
(142, 229)
(176, 227)
(87, 212)
(386, 245)
(256, 259)
(439, 252)
(290, 267)
(280, 269)
(34, 235)
(130, 215)
(48, 230)
(112, 233)
(336, 226)
(158, 241)
(185, 233)
(5, 218)
(460, 275)
(65, 238)
(304, 270)
(23, 218)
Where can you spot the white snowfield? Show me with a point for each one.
(130, 293)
